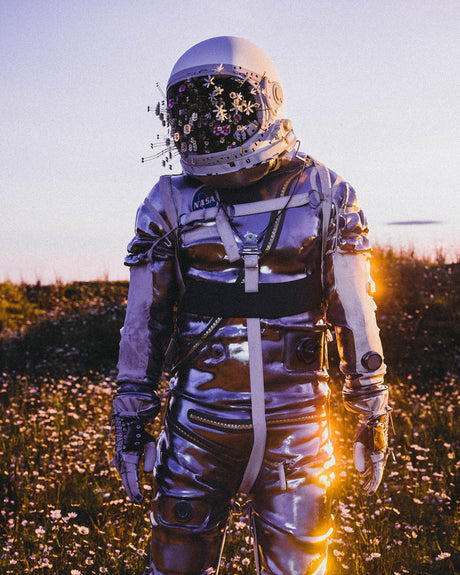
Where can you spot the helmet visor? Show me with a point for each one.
(209, 114)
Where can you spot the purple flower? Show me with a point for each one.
(171, 103)
(182, 88)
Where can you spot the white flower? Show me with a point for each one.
(248, 108)
(372, 556)
(82, 529)
(219, 69)
(221, 113)
(442, 556)
(237, 105)
(217, 91)
(209, 82)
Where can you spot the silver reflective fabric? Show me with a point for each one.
(208, 435)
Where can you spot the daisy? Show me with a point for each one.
(209, 82)
(221, 113)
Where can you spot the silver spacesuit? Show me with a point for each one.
(239, 266)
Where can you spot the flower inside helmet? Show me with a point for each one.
(209, 114)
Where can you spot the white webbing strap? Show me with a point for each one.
(325, 179)
(250, 254)
(257, 403)
(249, 209)
(251, 272)
(226, 235)
(328, 191)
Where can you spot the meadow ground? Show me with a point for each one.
(64, 510)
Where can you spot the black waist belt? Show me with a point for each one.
(273, 300)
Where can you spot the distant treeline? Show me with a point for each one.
(74, 327)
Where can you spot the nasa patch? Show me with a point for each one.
(203, 198)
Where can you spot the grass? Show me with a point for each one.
(64, 510)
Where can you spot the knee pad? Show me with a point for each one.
(190, 513)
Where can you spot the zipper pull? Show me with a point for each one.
(282, 475)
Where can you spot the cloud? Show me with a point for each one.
(414, 223)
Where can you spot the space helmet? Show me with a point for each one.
(225, 110)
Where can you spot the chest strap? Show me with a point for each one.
(251, 208)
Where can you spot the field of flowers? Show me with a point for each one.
(64, 511)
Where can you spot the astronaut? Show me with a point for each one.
(239, 268)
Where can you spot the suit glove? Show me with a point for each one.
(131, 413)
(370, 449)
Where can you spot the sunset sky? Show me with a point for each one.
(372, 89)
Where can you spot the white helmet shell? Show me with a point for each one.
(266, 134)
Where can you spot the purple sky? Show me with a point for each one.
(371, 88)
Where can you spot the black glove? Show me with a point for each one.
(131, 412)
